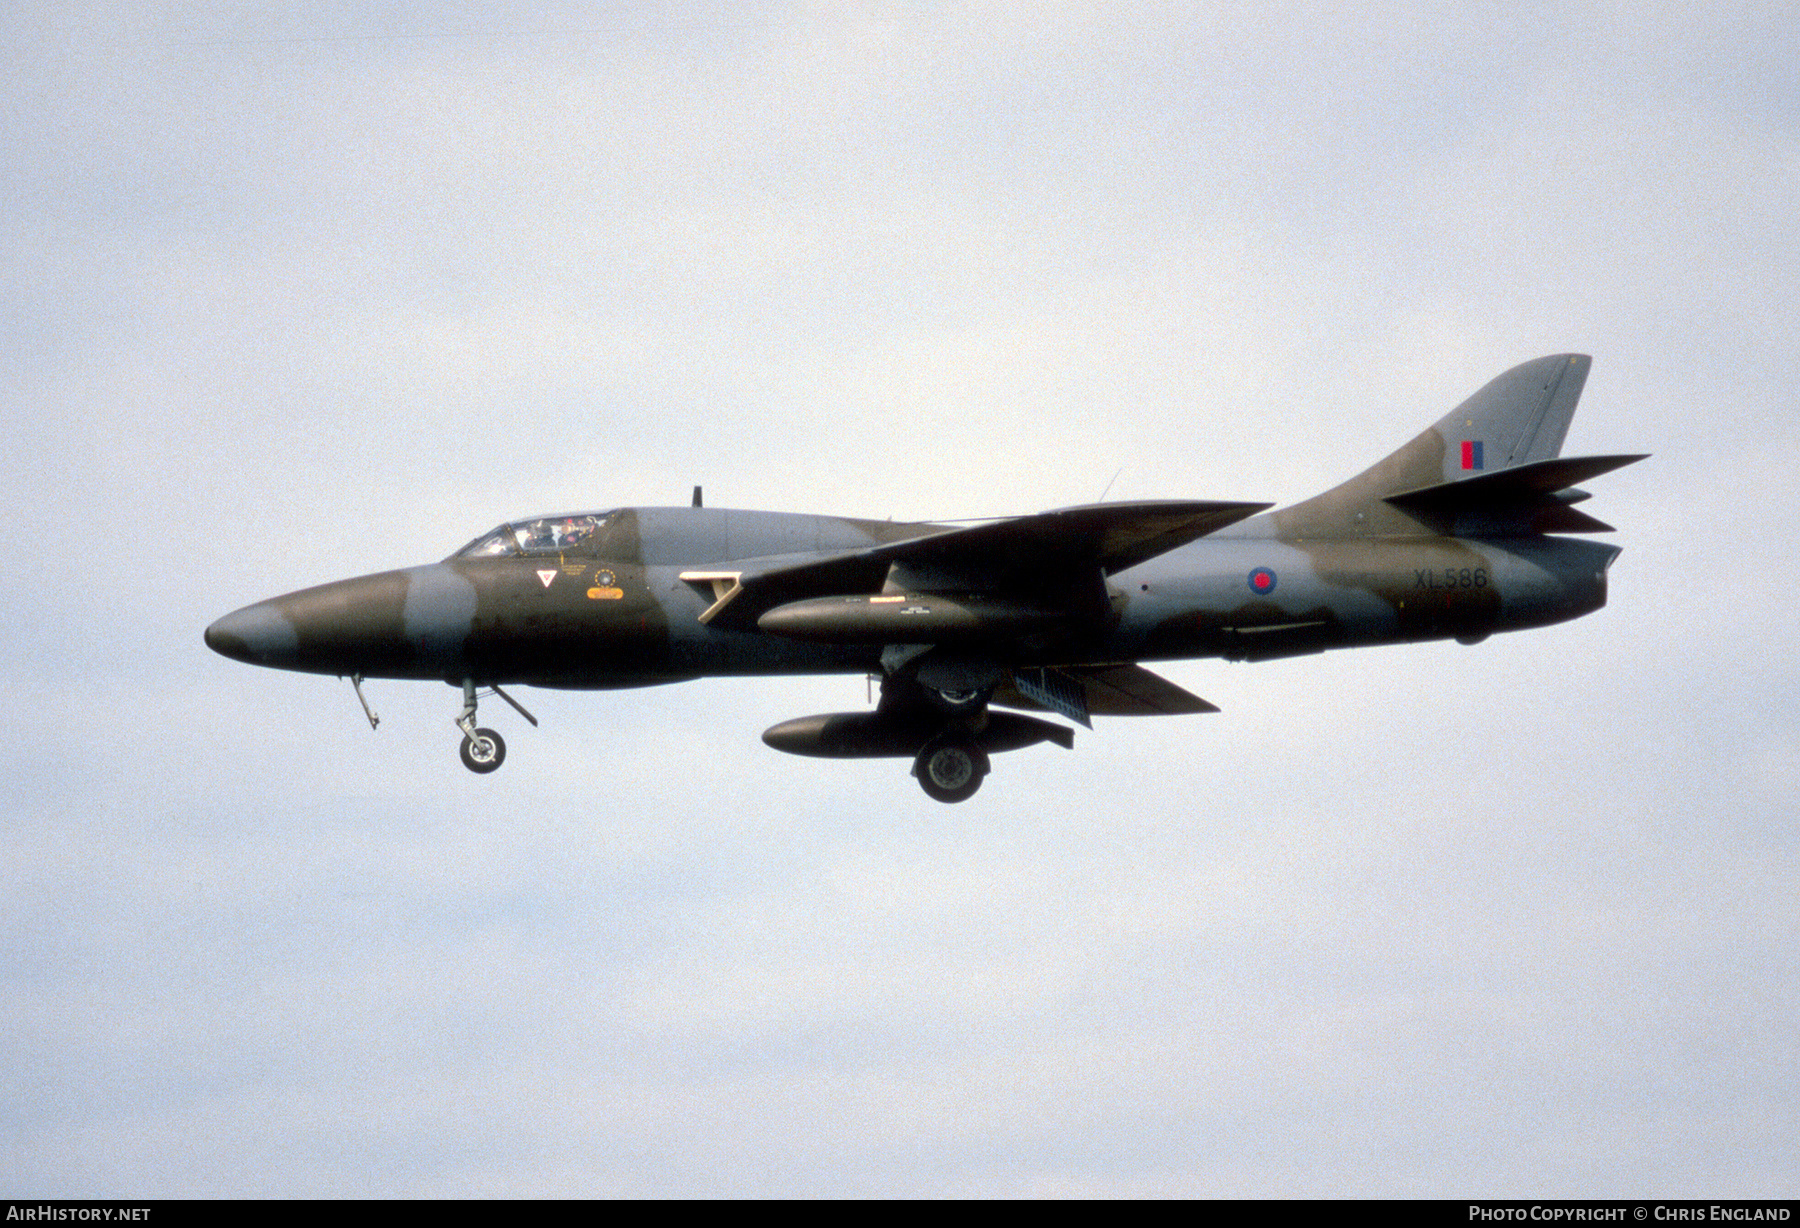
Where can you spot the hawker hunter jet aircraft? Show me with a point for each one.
(1461, 533)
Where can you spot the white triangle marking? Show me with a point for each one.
(547, 576)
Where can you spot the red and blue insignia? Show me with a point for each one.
(1262, 581)
(1471, 454)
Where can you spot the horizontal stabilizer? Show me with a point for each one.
(1561, 518)
(1113, 690)
(1513, 485)
(1529, 498)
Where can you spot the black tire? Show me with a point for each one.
(950, 771)
(487, 756)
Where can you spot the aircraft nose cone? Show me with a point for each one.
(257, 633)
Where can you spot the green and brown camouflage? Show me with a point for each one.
(1467, 530)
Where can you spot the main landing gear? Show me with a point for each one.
(948, 735)
(483, 750)
(950, 769)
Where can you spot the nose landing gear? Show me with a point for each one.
(483, 750)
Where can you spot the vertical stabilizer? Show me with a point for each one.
(1518, 417)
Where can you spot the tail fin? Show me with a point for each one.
(1517, 418)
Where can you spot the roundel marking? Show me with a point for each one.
(1262, 581)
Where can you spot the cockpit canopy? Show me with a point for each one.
(575, 534)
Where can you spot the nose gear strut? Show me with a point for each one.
(483, 750)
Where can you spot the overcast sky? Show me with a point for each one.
(299, 292)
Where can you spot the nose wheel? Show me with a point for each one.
(483, 751)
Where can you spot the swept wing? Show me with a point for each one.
(991, 557)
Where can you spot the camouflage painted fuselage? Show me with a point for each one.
(1245, 593)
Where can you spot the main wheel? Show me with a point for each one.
(484, 752)
(950, 771)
